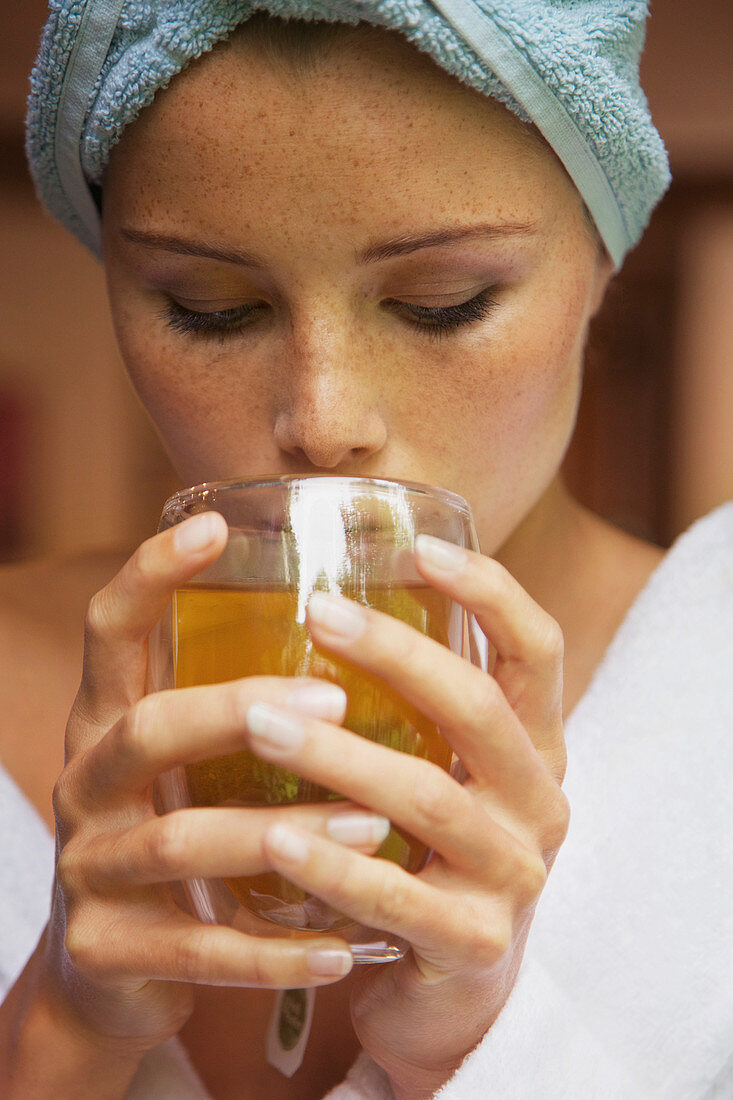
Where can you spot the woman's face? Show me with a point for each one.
(369, 269)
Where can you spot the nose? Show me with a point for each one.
(330, 416)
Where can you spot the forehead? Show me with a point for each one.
(375, 130)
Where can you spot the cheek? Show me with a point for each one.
(175, 375)
(536, 384)
(210, 415)
(514, 387)
(512, 414)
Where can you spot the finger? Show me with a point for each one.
(204, 843)
(444, 928)
(180, 726)
(181, 949)
(528, 641)
(121, 615)
(414, 794)
(466, 704)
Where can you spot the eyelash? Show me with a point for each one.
(445, 320)
(224, 323)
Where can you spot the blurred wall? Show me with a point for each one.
(80, 466)
(85, 443)
(703, 412)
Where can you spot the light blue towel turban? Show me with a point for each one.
(568, 66)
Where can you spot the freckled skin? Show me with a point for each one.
(304, 171)
(375, 143)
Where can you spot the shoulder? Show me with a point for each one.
(705, 550)
(644, 581)
(42, 609)
(693, 584)
(608, 569)
(649, 762)
(642, 600)
(673, 651)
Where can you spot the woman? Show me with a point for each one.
(325, 253)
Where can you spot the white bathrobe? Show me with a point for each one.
(626, 989)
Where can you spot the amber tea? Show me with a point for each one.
(222, 633)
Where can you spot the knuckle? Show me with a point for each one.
(345, 887)
(552, 640)
(493, 944)
(134, 731)
(485, 703)
(530, 878)
(502, 582)
(404, 646)
(94, 946)
(237, 699)
(63, 797)
(193, 958)
(485, 938)
(166, 845)
(71, 873)
(435, 797)
(556, 760)
(392, 900)
(261, 972)
(81, 947)
(557, 822)
(143, 563)
(97, 619)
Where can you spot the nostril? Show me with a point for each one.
(326, 443)
(325, 460)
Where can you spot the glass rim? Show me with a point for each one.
(183, 497)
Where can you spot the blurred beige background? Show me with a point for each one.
(80, 466)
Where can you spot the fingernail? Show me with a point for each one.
(274, 730)
(358, 829)
(287, 844)
(337, 615)
(196, 533)
(327, 962)
(442, 555)
(322, 700)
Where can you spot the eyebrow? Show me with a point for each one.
(183, 247)
(400, 246)
(397, 246)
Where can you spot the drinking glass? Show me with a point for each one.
(244, 615)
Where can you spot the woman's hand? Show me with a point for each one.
(119, 954)
(467, 914)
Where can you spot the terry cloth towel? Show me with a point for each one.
(625, 989)
(569, 66)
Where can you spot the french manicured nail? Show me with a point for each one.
(196, 533)
(327, 962)
(274, 729)
(287, 844)
(337, 615)
(443, 555)
(323, 700)
(358, 828)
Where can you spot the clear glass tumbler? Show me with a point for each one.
(245, 616)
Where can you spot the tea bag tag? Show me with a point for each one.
(290, 1024)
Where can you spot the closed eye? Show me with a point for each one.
(432, 321)
(218, 323)
(437, 321)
